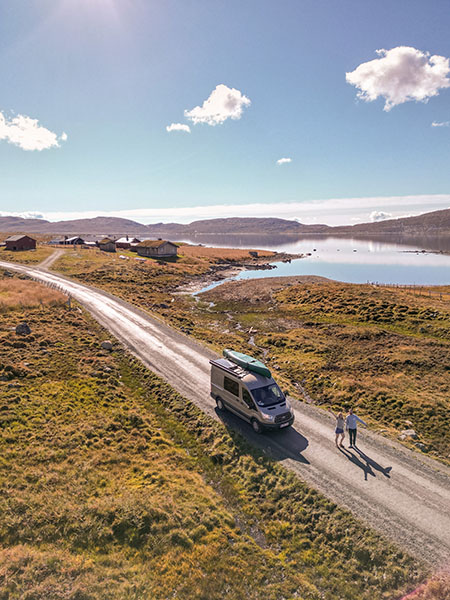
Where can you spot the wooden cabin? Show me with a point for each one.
(20, 242)
(157, 249)
(107, 245)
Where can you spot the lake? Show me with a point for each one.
(386, 260)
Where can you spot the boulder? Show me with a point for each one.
(408, 434)
(23, 329)
(107, 345)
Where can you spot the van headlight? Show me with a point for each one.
(267, 417)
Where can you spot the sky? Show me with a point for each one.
(174, 110)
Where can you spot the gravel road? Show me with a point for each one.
(402, 494)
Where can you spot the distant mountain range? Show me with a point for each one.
(433, 223)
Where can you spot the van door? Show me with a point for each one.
(248, 404)
(231, 394)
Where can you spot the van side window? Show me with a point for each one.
(231, 386)
(247, 399)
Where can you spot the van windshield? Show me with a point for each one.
(268, 395)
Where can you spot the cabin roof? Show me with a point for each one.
(155, 243)
(16, 238)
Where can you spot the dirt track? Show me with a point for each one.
(404, 495)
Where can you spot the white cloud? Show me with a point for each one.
(401, 74)
(223, 103)
(332, 211)
(379, 215)
(283, 161)
(23, 215)
(178, 127)
(440, 124)
(26, 133)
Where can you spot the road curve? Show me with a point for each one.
(402, 494)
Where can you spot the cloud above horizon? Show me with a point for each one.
(223, 103)
(379, 215)
(400, 75)
(440, 124)
(283, 161)
(26, 133)
(22, 215)
(178, 127)
(332, 211)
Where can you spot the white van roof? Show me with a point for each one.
(251, 380)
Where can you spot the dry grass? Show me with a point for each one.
(438, 588)
(228, 254)
(384, 351)
(113, 486)
(27, 257)
(15, 292)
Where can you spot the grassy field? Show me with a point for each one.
(383, 351)
(27, 257)
(16, 292)
(113, 486)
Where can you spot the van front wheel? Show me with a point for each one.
(219, 403)
(256, 426)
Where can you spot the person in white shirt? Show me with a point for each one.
(350, 425)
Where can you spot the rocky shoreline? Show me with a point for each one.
(226, 270)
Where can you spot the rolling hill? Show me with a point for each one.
(433, 223)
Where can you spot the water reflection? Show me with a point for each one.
(382, 259)
(285, 243)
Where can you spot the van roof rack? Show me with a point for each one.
(230, 367)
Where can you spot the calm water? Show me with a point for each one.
(354, 260)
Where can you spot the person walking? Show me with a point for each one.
(339, 431)
(351, 426)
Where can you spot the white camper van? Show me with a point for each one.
(246, 388)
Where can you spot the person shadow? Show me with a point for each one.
(369, 461)
(353, 458)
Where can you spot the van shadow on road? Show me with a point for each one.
(278, 445)
(368, 466)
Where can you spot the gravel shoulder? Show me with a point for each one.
(401, 494)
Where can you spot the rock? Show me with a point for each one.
(421, 446)
(408, 434)
(23, 329)
(408, 423)
(107, 345)
(163, 305)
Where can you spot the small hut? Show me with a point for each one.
(107, 245)
(157, 248)
(20, 242)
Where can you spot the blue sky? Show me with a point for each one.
(111, 75)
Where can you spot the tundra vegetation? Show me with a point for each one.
(383, 351)
(27, 257)
(114, 486)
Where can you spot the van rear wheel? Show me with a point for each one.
(256, 426)
(219, 403)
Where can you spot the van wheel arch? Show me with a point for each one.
(256, 426)
(220, 404)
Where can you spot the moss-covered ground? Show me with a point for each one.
(27, 257)
(383, 351)
(113, 486)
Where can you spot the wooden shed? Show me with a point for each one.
(20, 242)
(107, 245)
(157, 248)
